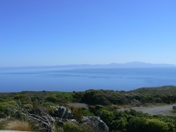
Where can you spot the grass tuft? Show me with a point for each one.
(19, 125)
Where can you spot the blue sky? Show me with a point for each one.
(55, 32)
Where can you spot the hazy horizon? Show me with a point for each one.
(121, 65)
(48, 33)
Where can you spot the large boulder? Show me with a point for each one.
(68, 114)
(62, 112)
(96, 123)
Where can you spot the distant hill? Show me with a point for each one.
(117, 65)
(134, 64)
(143, 64)
(168, 90)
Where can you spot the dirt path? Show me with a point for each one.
(154, 110)
(78, 105)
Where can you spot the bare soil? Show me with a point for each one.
(78, 105)
(154, 109)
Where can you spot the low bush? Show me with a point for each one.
(71, 127)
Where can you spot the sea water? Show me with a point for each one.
(79, 79)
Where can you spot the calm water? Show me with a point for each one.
(56, 79)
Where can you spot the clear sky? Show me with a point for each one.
(55, 32)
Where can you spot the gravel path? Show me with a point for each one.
(78, 105)
(154, 110)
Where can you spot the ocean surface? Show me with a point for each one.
(68, 79)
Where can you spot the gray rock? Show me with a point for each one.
(96, 123)
(62, 112)
(73, 121)
(68, 114)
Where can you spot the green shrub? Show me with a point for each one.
(136, 124)
(119, 124)
(86, 128)
(52, 99)
(155, 125)
(87, 112)
(77, 114)
(71, 127)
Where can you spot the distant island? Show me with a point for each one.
(134, 64)
(116, 65)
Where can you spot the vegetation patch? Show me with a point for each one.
(67, 111)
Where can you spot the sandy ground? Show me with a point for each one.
(78, 105)
(151, 109)
(154, 110)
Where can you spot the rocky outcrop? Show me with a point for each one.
(93, 121)
(62, 112)
(61, 115)
(96, 123)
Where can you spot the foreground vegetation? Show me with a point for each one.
(30, 108)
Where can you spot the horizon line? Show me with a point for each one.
(84, 64)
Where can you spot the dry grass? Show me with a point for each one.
(19, 125)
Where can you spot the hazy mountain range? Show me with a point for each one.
(116, 65)
(134, 64)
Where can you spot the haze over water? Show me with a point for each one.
(80, 79)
